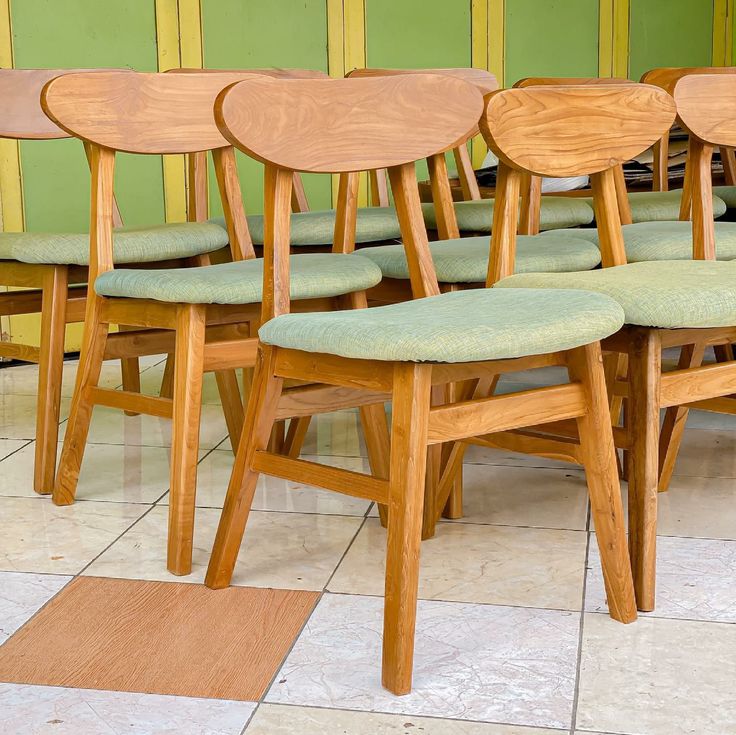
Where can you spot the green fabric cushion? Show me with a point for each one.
(461, 326)
(466, 260)
(312, 276)
(658, 206)
(669, 294)
(727, 194)
(477, 215)
(646, 241)
(130, 244)
(314, 228)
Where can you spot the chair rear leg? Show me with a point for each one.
(259, 420)
(131, 371)
(80, 412)
(50, 367)
(189, 361)
(378, 445)
(167, 380)
(410, 421)
(604, 488)
(232, 404)
(645, 369)
(295, 436)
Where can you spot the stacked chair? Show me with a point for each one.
(51, 269)
(403, 349)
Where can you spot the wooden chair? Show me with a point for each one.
(404, 349)
(666, 303)
(206, 310)
(51, 271)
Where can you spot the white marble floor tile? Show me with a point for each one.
(22, 596)
(273, 493)
(286, 550)
(110, 426)
(36, 710)
(657, 677)
(123, 473)
(696, 579)
(337, 434)
(23, 379)
(278, 719)
(37, 536)
(151, 383)
(8, 446)
(18, 416)
(710, 420)
(698, 506)
(707, 453)
(485, 455)
(522, 496)
(472, 662)
(500, 565)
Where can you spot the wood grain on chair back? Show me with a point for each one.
(484, 80)
(139, 113)
(706, 106)
(574, 130)
(341, 125)
(21, 115)
(272, 72)
(667, 77)
(566, 81)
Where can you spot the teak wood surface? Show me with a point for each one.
(419, 424)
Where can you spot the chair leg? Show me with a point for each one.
(167, 380)
(189, 362)
(131, 371)
(675, 418)
(295, 436)
(645, 369)
(454, 506)
(80, 412)
(259, 420)
(50, 367)
(378, 444)
(410, 421)
(604, 488)
(232, 404)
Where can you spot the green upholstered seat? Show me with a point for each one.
(312, 276)
(465, 260)
(130, 244)
(658, 206)
(669, 293)
(556, 213)
(646, 241)
(727, 194)
(461, 326)
(315, 228)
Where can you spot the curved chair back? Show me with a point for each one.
(149, 114)
(346, 126)
(268, 72)
(484, 80)
(568, 131)
(706, 107)
(566, 81)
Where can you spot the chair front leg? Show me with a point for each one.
(409, 426)
(50, 368)
(604, 488)
(259, 420)
(187, 410)
(645, 369)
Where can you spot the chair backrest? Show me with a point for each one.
(706, 108)
(567, 81)
(268, 72)
(484, 80)
(666, 77)
(346, 126)
(568, 131)
(148, 114)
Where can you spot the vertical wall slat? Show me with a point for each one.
(479, 49)
(722, 32)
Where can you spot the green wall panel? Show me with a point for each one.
(260, 33)
(84, 33)
(670, 33)
(556, 38)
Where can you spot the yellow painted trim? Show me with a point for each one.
(605, 38)
(479, 60)
(11, 173)
(190, 33)
(335, 39)
(722, 32)
(621, 36)
(497, 39)
(169, 57)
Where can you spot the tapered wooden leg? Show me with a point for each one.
(675, 418)
(50, 366)
(599, 459)
(80, 411)
(375, 431)
(232, 404)
(615, 367)
(131, 371)
(167, 380)
(410, 420)
(295, 436)
(259, 420)
(188, 374)
(645, 368)
(454, 506)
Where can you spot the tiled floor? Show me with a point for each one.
(513, 636)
